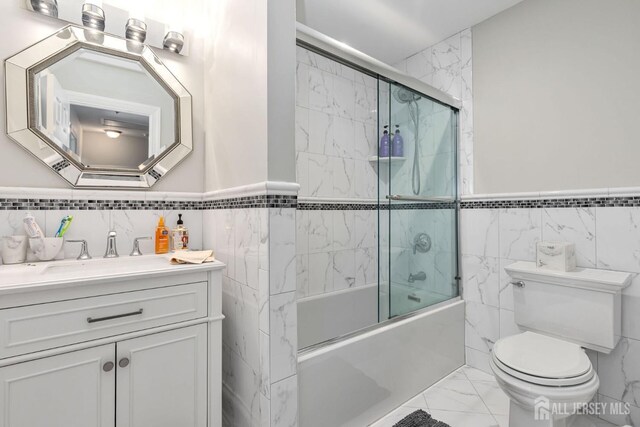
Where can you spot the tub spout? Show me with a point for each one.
(421, 276)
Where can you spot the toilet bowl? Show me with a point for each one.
(545, 371)
(546, 379)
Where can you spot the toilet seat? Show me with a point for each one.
(542, 360)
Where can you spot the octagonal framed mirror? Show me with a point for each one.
(101, 111)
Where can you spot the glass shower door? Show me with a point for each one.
(417, 192)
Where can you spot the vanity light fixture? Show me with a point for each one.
(136, 30)
(93, 16)
(113, 134)
(45, 7)
(173, 41)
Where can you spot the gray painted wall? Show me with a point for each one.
(555, 85)
(250, 87)
(125, 151)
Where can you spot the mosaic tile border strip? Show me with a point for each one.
(262, 201)
(288, 201)
(332, 206)
(575, 202)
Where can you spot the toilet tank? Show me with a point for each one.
(581, 306)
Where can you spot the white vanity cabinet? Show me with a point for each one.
(162, 379)
(128, 353)
(69, 389)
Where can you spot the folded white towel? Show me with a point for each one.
(192, 257)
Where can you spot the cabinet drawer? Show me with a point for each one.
(39, 327)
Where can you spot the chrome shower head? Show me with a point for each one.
(404, 95)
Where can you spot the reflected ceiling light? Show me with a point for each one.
(136, 30)
(113, 134)
(93, 16)
(173, 41)
(45, 7)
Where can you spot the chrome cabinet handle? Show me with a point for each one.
(519, 284)
(116, 316)
(107, 367)
(124, 362)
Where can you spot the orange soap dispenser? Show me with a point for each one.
(162, 237)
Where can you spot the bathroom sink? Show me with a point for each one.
(75, 272)
(105, 265)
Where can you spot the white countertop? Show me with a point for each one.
(60, 274)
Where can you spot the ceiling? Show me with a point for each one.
(391, 30)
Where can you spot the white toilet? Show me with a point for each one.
(545, 371)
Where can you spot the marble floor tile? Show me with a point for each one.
(502, 420)
(455, 395)
(474, 374)
(418, 402)
(467, 397)
(493, 397)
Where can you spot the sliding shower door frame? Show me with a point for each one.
(342, 53)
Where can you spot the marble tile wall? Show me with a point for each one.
(336, 116)
(336, 119)
(335, 250)
(259, 301)
(94, 225)
(436, 150)
(448, 66)
(605, 237)
(437, 263)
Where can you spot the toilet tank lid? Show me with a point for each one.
(587, 278)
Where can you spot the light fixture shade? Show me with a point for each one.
(113, 134)
(136, 30)
(45, 7)
(93, 16)
(173, 41)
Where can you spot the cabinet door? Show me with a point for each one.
(75, 389)
(162, 379)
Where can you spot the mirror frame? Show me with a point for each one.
(19, 84)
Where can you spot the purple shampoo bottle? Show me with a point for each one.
(397, 145)
(384, 143)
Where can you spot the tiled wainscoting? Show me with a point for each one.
(606, 231)
(251, 229)
(259, 341)
(336, 249)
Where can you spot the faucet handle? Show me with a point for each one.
(112, 248)
(84, 249)
(136, 246)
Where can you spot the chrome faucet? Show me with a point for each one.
(112, 249)
(84, 250)
(421, 243)
(136, 246)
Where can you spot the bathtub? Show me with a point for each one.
(326, 316)
(359, 379)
